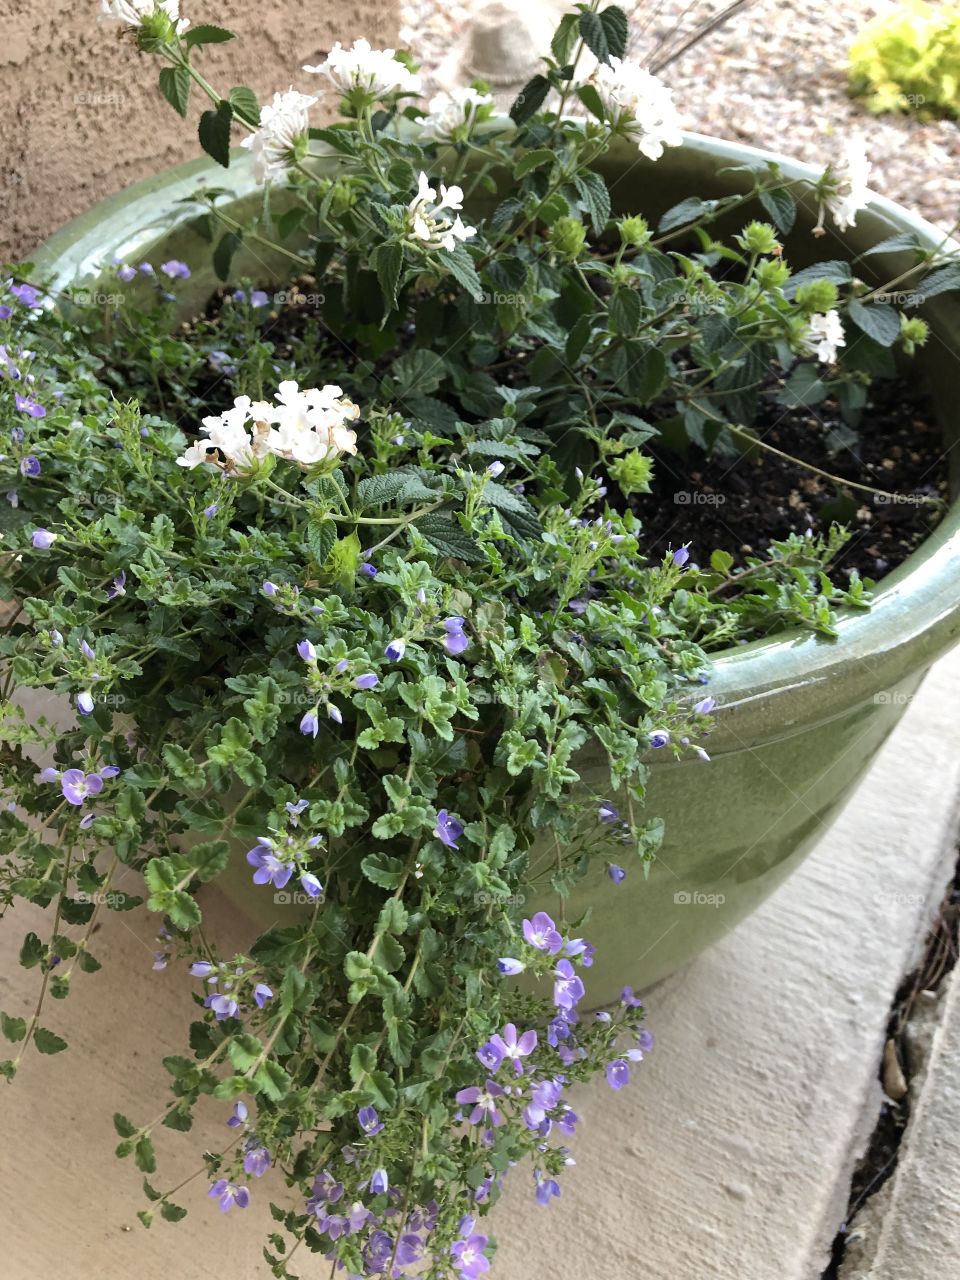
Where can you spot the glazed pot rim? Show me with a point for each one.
(916, 611)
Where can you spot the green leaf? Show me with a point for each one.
(31, 952)
(272, 1081)
(836, 271)
(605, 34)
(209, 859)
(940, 281)
(596, 198)
(459, 264)
(13, 1028)
(214, 133)
(530, 99)
(382, 870)
(144, 1156)
(172, 1212)
(387, 262)
(565, 37)
(245, 104)
(126, 1128)
(175, 87)
(625, 311)
(688, 210)
(321, 535)
(878, 321)
(417, 371)
(229, 243)
(515, 511)
(207, 34)
(588, 95)
(447, 537)
(47, 1042)
(393, 917)
(533, 160)
(781, 207)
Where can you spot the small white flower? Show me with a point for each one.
(195, 455)
(428, 220)
(640, 104)
(376, 72)
(132, 12)
(453, 114)
(824, 335)
(846, 184)
(282, 124)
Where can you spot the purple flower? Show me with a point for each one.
(29, 406)
(618, 1074)
(334, 713)
(541, 932)
(77, 787)
(367, 681)
(510, 1046)
(85, 702)
(295, 809)
(48, 775)
(448, 829)
(544, 1098)
(509, 966)
(258, 298)
(369, 1121)
(608, 813)
(468, 1257)
(119, 587)
(310, 724)
(409, 1249)
(201, 969)
(379, 1183)
(261, 994)
(645, 1040)
(256, 1159)
(87, 650)
(484, 1103)
(239, 1116)
(229, 1194)
(26, 294)
(456, 639)
(146, 269)
(126, 273)
(306, 650)
(269, 868)
(547, 1188)
(629, 1000)
(496, 469)
(43, 539)
(659, 738)
(311, 885)
(395, 650)
(568, 989)
(211, 511)
(30, 466)
(175, 269)
(705, 706)
(223, 1006)
(160, 960)
(490, 1056)
(368, 570)
(681, 556)
(5, 311)
(616, 874)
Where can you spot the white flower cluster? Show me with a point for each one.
(824, 336)
(640, 104)
(304, 426)
(376, 72)
(453, 113)
(283, 123)
(428, 220)
(132, 12)
(846, 184)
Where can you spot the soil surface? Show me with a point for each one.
(743, 503)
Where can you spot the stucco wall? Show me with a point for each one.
(80, 109)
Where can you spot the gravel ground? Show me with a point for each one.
(774, 76)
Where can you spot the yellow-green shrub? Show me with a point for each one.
(909, 60)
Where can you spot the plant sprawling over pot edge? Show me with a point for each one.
(364, 591)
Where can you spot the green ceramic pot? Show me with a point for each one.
(800, 718)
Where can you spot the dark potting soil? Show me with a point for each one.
(743, 502)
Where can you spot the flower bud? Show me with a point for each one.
(567, 238)
(759, 237)
(818, 295)
(772, 273)
(634, 231)
(913, 329)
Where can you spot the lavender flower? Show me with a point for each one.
(509, 966)
(239, 1115)
(448, 829)
(126, 273)
(30, 467)
(119, 586)
(568, 988)
(223, 1006)
(618, 1074)
(201, 969)
(305, 648)
(77, 787)
(681, 556)
(379, 1183)
(368, 570)
(310, 724)
(496, 469)
(542, 933)
(26, 294)
(29, 406)
(659, 738)
(261, 994)
(469, 1260)
(175, 269)
(269, 868)
(369, 1121)
(484, 1103)
(43, 539)
(311, 885)
(256, 1159)
(456, 639)
(229, 1194)
(546, 1188)
(705, 706)
(258, 298)
(367, 681)
(395, 650)
(608, 813)
(85, 702)
(616, 874)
